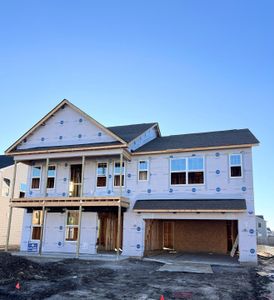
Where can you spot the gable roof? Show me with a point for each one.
(59, 106)
(130, 132)
(236, 137)
(6, 161)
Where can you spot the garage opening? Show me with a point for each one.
(192, 236)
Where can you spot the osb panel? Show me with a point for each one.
(201, 236)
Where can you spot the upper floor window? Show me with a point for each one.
(37, 220)
(102, 174)
(143, 170)
(195, 170)
(235, 164)
(117, 174)
(36, 177)
(72, 225)
(178, 171)
(51, 177)
(187, 170)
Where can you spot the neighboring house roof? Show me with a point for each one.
(200, 140)
(260, 216)
(190, 205)
(6, 161)
(91, 145)
(130, 132)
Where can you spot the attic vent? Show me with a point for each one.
(63, 106)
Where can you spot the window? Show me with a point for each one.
(117, 174)
(72, 225)
(102, 174)
(6, 187)
(195, 170)
(187, 171)
(143, 170)
(259, 225)
(37, 221)
(178, 171)
(35, 177)
(235, 161)
(51, 177)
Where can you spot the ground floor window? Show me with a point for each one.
(72, 225)
(37, 220)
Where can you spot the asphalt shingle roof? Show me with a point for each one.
(6, 161)
(130, 132)
(190, 204)
(201, 140)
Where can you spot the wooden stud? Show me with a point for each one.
(119, 207)
(11, 207)
(80, 207)
(44, 209)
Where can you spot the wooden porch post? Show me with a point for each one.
(80, 207)
(44, 209)
(120, 208)
(10, 208)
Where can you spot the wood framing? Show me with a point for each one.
(70, 201)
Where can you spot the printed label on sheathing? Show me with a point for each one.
(32, 247)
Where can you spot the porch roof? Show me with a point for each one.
(190, 205)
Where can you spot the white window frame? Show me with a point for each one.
(35, 177)
(187, 171)
(114, 174)
(52, 177)
(147, 170)
(71, 226)
(34, 225)
(240, 165)
(97, 175)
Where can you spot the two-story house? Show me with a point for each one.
(93, 189)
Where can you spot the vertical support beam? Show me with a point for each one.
(10, 208)
(44, 210)
(120, 208)
(80, 207)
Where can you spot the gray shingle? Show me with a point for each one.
(130, 132)
(200, 140)
(190, 204)
(6, 161)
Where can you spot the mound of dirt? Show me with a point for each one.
(16, 268)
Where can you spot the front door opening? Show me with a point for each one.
(107, 232)
(75, 180)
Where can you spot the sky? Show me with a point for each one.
(191, 65)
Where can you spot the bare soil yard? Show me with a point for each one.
(127, 279)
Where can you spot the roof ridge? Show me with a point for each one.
(132, 124)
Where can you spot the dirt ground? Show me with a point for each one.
(128, 279)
